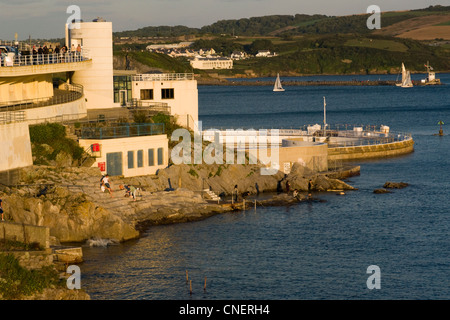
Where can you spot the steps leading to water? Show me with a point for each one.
(212, 195)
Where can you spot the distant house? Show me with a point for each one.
(265, 54)
(207, 52)
(238, 55)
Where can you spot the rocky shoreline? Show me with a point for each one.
(70, 202)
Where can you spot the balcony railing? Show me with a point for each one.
(164, 77)
(41, 59)
(150, 106)
(124, 131)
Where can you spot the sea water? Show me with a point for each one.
(319, 250)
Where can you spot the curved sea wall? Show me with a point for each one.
(371, 151)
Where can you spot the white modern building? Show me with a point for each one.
(29, 95)
(128, 150)
(211, 63)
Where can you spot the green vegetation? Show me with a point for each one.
(288, 24)
(16, 281)
(156, 60)
(444, 24)
(193, 173)
(383, 44)
(347, 54)
(48, 140)
(305, 44)
(170, 124)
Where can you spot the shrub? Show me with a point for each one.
(53, 135)
(17, 281)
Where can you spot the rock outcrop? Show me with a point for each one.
(70, 202)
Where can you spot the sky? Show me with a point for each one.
(46, 18)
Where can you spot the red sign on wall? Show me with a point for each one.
(102, 166)
(95, 147)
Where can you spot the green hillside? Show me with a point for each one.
(305, 44)
(348, 54)
(289, 24)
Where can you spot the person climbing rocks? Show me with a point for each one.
(1, 210)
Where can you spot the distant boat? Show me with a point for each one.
(406, 78)
(277, 86)
(431, 78)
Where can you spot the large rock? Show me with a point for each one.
(71, 218)
(395, 185)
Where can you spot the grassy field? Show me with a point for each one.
(389, 45)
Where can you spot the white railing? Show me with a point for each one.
(40, 59)
(163, 77)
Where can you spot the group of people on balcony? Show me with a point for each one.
(49, 50)
(43, 55)
(62, 53)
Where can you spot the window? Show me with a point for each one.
(160, 156)
(130, 159)
(140, 158)
(122, 83)
(167, 93)
(151, 157)
(146, 94)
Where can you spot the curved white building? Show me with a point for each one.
(95, 38)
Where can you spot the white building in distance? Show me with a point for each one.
(205, 63)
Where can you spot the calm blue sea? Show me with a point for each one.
(306, 251)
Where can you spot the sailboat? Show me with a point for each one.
(277, 86)
(406, 78)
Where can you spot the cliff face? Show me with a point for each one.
(70, 202)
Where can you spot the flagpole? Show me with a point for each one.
(324, 117)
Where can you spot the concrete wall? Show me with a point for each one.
(372, 151)
(312, 155)
(184, 105)
(15, 146)
(25, 233)
(14, 89)
(72, 110)
(97, 79)
(124, 145)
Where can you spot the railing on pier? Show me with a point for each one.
(339, 135)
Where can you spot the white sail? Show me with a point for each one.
(406, 78)
(407, 83)
(403, 72)
(277, 86)
(400, 84)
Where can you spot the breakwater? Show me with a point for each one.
(223, 82)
